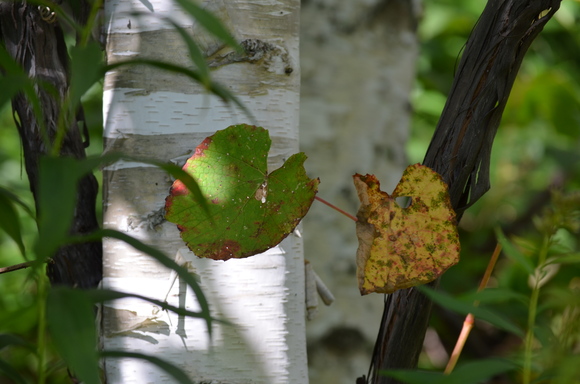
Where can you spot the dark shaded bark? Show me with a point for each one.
(38, 46)
(460, 151)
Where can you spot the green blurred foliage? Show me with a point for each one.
(537, 148)
(18, 302)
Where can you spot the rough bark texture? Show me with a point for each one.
(38, 46)
(158, 114)
(358, 69)
(461, 147)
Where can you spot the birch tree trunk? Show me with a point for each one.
(358, 69)
(161, 115)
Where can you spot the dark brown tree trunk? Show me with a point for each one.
(460, 151)
(37, 44)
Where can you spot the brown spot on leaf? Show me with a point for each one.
(228, 250)
(262, 192)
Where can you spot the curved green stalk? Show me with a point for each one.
(533, 308)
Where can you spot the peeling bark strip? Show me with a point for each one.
(460, 150)
(37, 45)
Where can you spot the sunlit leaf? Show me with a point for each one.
(252, 210)
(404, 247)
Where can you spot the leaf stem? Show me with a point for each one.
(336, 208)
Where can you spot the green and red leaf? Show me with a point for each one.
(251, 210)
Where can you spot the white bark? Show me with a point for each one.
(358, 68)
(160, 115)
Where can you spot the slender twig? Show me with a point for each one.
(336, 208)
(490, 267)
(15, 267)
(467, 326)
(469, 319)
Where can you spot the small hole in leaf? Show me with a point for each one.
(403, 201)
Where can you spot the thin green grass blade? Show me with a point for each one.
(171, 369)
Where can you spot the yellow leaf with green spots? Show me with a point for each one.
(404, 247)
